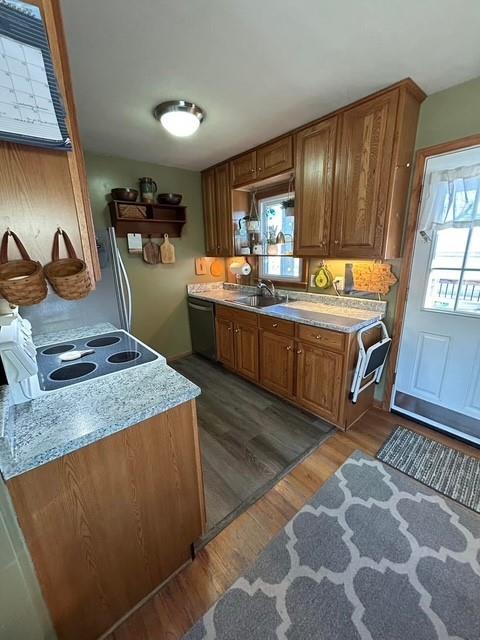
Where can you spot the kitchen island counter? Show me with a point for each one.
(63, 421)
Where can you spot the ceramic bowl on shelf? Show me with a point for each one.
(124, 193)
(169, 198)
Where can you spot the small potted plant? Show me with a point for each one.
(289, 206)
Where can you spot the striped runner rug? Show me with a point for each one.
(442, 468)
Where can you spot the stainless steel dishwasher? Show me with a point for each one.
(202, 327)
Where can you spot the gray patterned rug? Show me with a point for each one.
(442, 468)
(374, 555)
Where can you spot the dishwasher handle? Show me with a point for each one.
(198, 307)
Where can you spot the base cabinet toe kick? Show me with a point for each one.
(109, 523)
(309, 366)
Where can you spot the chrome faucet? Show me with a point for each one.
(267, 287)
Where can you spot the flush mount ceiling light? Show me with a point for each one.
(179, 117)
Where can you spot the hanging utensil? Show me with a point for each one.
(151, 252)
(167, 250)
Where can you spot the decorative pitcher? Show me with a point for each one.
(148, 187)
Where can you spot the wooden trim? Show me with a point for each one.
(199, 469)
(409, 244)
(407, 83)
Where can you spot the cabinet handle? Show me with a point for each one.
(299, 351)
(237, 330)
(229, 328)
(336, 242)
(252, 170)
(259, 168)
(318, 337)
(275, 325)
(289, 348)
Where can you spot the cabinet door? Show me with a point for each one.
(276, 363)
(362, 177)
(225, 345)
(209, 212)
(319, 378)
(275, 158)
(314, 187)
(223, 206)
(246, 351)
(244, 169)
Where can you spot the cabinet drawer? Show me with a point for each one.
(323, 337)
(274, 325)
(236, 315)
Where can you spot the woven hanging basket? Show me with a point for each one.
(22, 282)
(69, 277)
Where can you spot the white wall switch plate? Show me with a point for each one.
(340, 282)
(134, 242)
(312, 280)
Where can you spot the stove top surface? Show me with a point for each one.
(112, 352)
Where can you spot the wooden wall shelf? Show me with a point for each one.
(159, 218)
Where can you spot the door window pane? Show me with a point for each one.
(450, 245)
(473, 256)
(469, 294)
(442, 289)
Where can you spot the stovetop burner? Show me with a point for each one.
(123, 356)
(112, 352)
(106, 341)
(58, 348)
(73, 371)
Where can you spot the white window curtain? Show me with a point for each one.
(451, 199)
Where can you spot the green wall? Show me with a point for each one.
(159, 298)
(450, 114)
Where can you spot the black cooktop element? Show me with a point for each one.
(106, 341)
(59, 348)
(123, 356)
(112, 352)
(73, 371)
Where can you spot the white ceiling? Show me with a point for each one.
(258, 67)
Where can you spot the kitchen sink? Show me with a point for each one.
(261, 301)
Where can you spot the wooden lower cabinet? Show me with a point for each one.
(319, 380)
(277, 359)
(107, 524)
(225, 342)
(246, 350)
(309, 366)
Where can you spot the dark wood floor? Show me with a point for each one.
(175, 608)
(248, 438)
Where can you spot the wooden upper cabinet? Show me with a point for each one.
(244, 169)
(362, 180)
(42, 189)
(217, 211)
(223, 200)
(275, 158)
(315, 156)
(209, 212)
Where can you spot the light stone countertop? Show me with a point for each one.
(343, 314)
(60, 422)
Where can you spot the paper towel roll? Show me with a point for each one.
(240, 268)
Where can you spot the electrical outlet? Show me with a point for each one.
(312, 280)
(340, 283)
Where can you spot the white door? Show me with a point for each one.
(438, 371)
